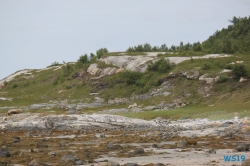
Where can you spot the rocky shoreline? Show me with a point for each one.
(103, 139)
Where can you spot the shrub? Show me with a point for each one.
(26, 84)
(222, 78)
(67, 70)
(54, 64)
(161, 65)
(132, 77)
(206, 66)
(101, 52)
(239, 71)
(14, 86)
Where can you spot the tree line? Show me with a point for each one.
(233, 39)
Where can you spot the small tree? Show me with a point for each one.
(161, 65)
(239, 71)
(101, 52)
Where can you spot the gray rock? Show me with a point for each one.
(69, 158)
(143, 96)
(139, 151)
(131, 164)
(182, 143)
(155, 146)
(49, 124)
(114, 164)
(73, 111)
(211, 151)
(4, 152)
(33, 163)
(16, 140)
(52, 153)
(242, 147)
(79, 162)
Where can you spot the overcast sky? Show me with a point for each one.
(36, 33)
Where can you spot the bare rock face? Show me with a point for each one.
(131, 63)
(99, 73)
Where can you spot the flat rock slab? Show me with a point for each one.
(29, 121)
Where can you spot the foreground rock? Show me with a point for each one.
(30, 121)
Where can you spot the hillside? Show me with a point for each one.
(179, 82)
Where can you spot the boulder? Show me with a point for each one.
(242, 147)
(69, 158)
(242, 79)
(114, 164)
(139, 151)
(4, 152)
(14, 111)
(16, 140)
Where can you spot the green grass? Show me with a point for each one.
(215, 112)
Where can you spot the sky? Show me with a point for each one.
(36, 33)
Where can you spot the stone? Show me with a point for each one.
(16, 140)
(52, 153)
(114, 164)
(245, 129)
(131, 164)
(49, 124)
(182, 144)
(139, 151)
(69, 158)
(79, 162)
(246, 120)
(154, 146)
(211, 151)
(242, 79)
(242, 147)
(33, 163)
(14, 111)
(4, 152)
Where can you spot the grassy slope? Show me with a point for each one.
(227, 98)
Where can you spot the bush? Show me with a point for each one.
(161, 65)
(101, 52)
(132, 77)
(67, 70)
(239, 71)
(14, 86)
(206, 66)
(54, 64)
(222, 78)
